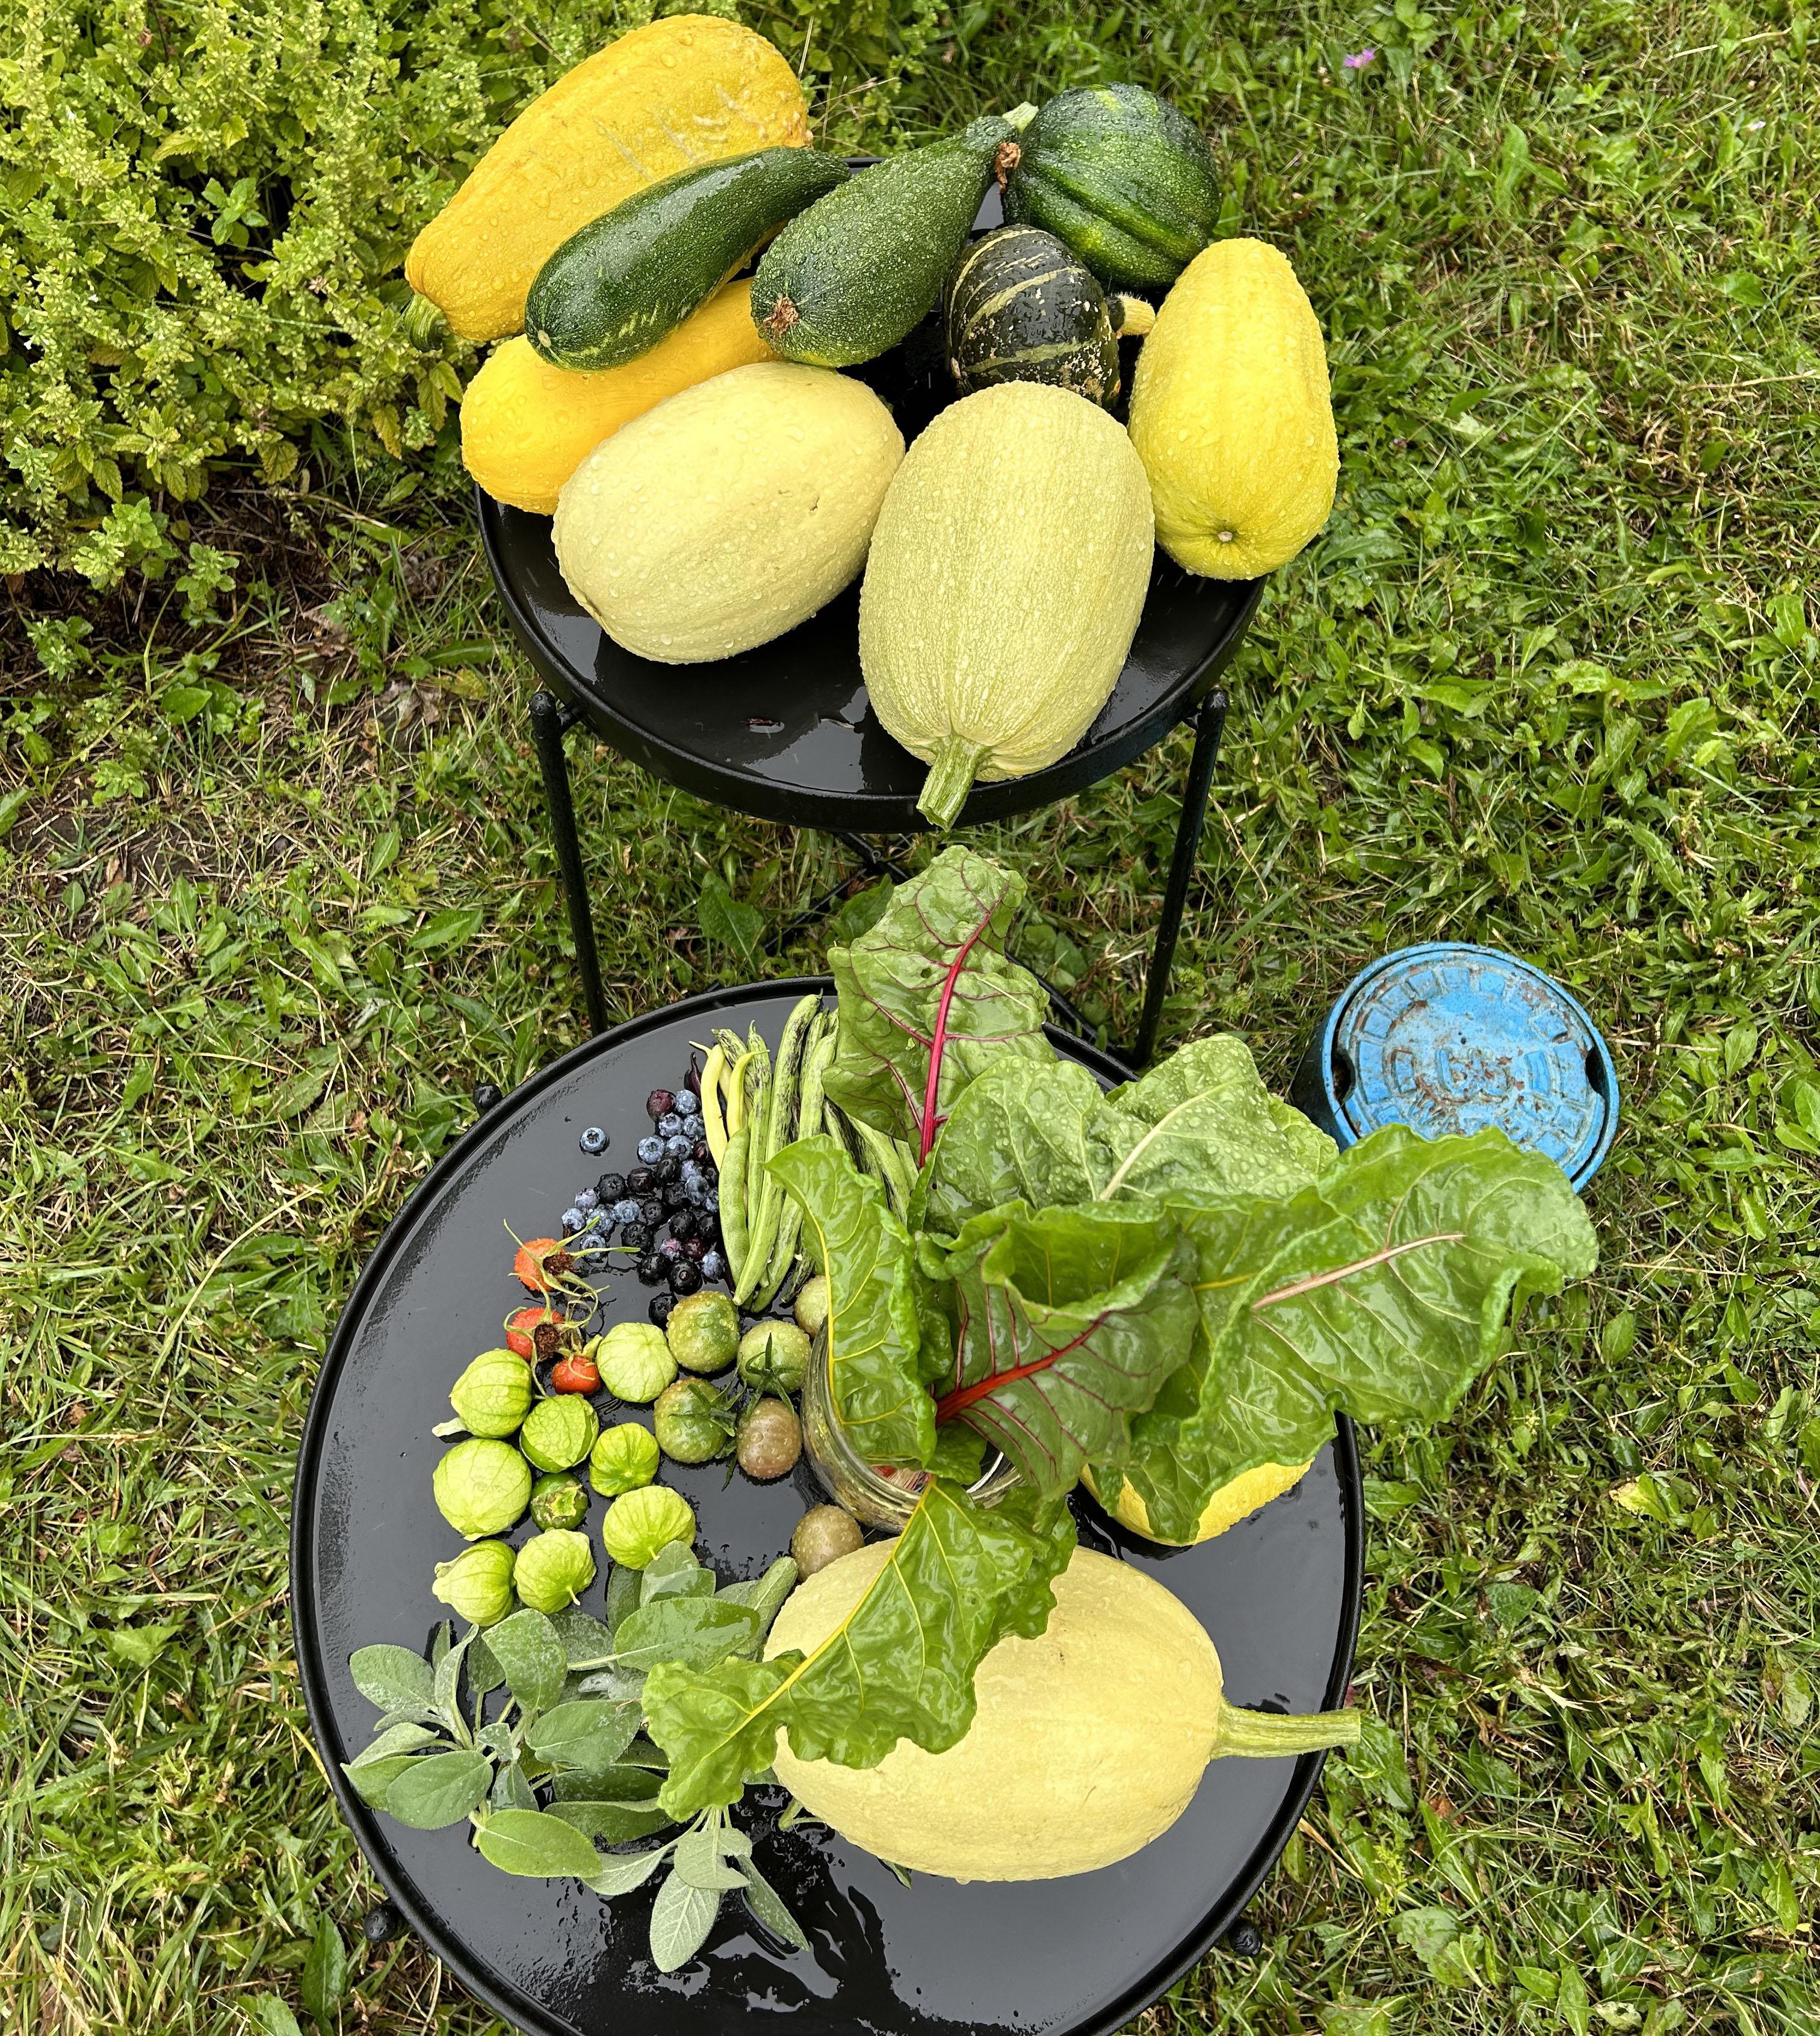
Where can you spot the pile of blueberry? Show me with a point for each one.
(666, 1210)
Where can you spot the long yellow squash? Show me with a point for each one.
(1088, 1742)
(527, 425)
(690, 88)
(1007, 576)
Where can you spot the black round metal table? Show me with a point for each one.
(786, 732)
(1279, 1594)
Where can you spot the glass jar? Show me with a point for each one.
(875, 1495)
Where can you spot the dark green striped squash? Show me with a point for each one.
(1020, 307)
(1123, 179)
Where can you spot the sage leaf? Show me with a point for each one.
(324, 1985)
(768, 1910)
(620, 1783)
(1383, 1291)
(900, 1666)
(439, 1789)
(510, 1789)
(930, 987)
(681, 1918)
(537, 1845)
(530, 1657)
(373, 1780)
(393, 1677)
(872, 1335)
(622, 1873)
(585, 1641)
(673, 1572)
(612, 1823)
(589, 1735)
(1071, 1322)
(624, 1589)
(449, 1684)
(404, 1738)
(484, 1674)
(699, 1861)
(618, 1686)
(697, 1631)
(765, 1596)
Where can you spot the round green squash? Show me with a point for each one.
(1088, 1741)
(1007, 574)
(1120, 177)
(1020, 307)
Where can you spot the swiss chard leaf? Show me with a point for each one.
(696, 1630)
(1202, 1122)
(1070, 1322)
(900, 1666)
(872, 1326)
(929, 998)
(1383, 1292)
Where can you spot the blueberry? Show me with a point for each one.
(711, 1200)
(651, 1211)
(572, 1220)
(638, 1180)
(714, 1266)
(683, 1225)
(660, 1103)
(669, 1168)
(588, 1198)
(625, 1210)
(688, 1103)
(670, 1248)
(700, 1152)
(634, 1237)
(650, 1151)
(678, 1148)
(660, 1307)
(676, 1195)
(653, 1269)
(669, 1125)
(594, 1139)
(610, 1187)
(693, 1248)
(685, 1277)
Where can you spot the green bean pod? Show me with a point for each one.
(764, 1208)
(815, 1062)
(734, 1201)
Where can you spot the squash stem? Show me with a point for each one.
(1270, 1736)
(951, 779)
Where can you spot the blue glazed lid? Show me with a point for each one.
(1449, 1038)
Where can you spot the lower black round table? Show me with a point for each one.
(1279, 1594)
(786, 732)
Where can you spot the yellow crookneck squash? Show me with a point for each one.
(526, 425)
(690, 88)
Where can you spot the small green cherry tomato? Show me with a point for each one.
(774, 1357)
(811, 1307)
(703, 1331)
(693, 1421)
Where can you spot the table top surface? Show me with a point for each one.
(787, 731)
(1279, 1594)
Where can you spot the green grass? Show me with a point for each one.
(276, 893)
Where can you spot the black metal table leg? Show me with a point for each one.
(548, 720)
(1209, 723)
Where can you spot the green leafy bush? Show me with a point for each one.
(203, 209)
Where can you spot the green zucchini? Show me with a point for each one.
(1020, 307)
(847, 279)
(1122, 179)
(613, 291)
